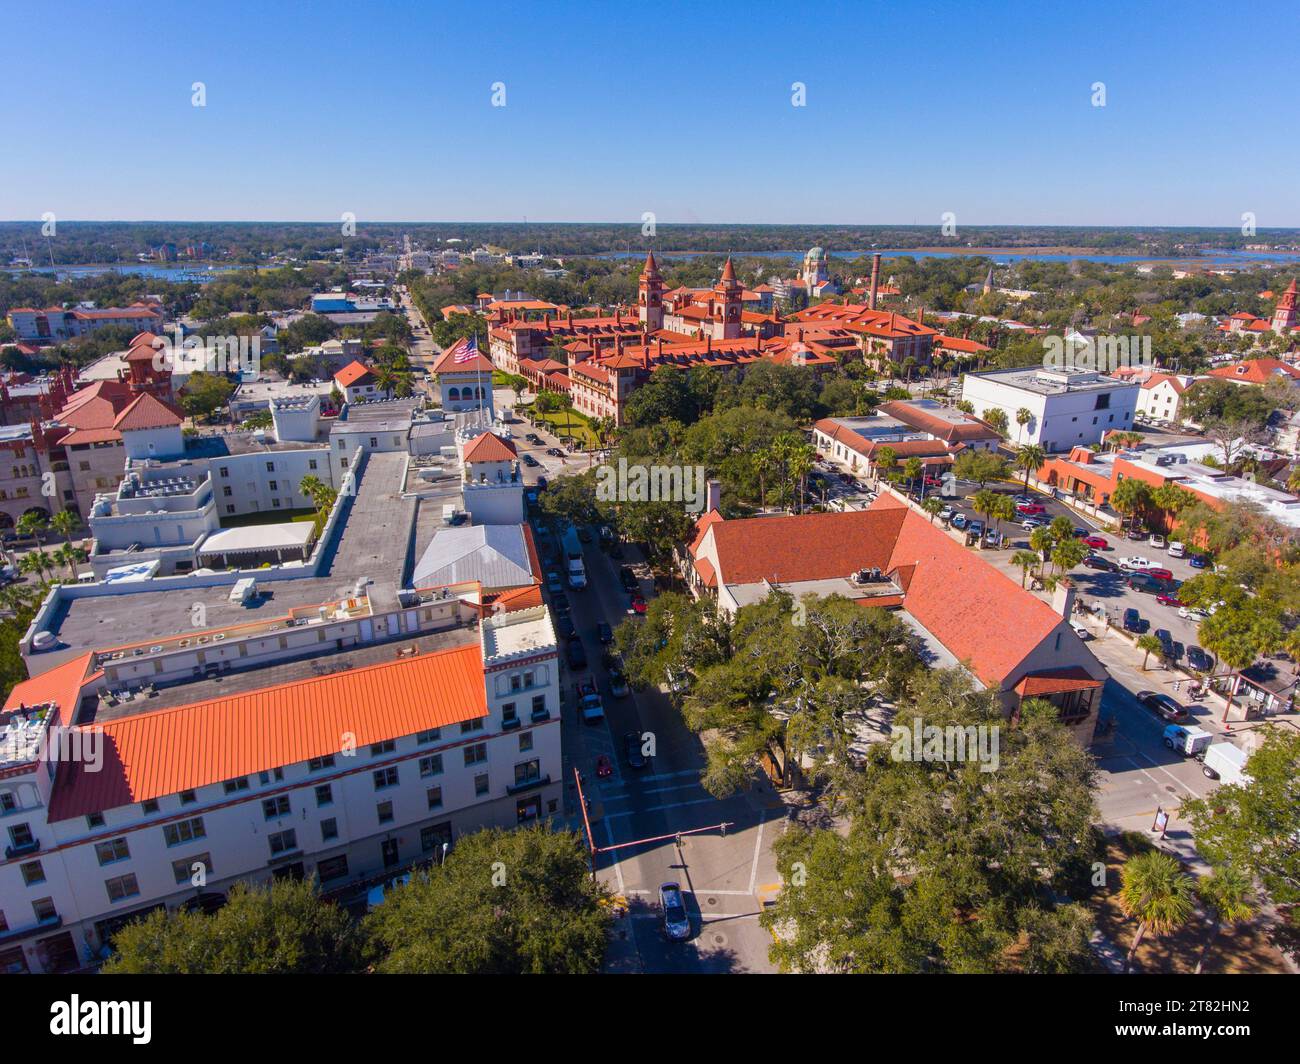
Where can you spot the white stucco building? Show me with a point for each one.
(1068, 408)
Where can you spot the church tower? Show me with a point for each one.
(650, 295)
(726, 322)
(1284, 316)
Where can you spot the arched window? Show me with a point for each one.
(453, 395)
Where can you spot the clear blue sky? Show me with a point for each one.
(913, 109)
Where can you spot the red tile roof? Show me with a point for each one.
(148, 412)
(1055, 681)
(151, 755)
(447, 363)
(352, 374)
(489, 448)
(61, 685)
(1256, 371)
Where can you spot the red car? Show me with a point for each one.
(1156, 573)
(1168, 600)
(604, 767)
(638, 603)
(1096, 543)
(1029, 508)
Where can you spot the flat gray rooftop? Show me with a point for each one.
(373, 543)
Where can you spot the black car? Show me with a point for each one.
(1198, 659)
(532, 437)
(560, 602)
(1162, 706)
(576, 653)
(604, 633)
(529, 460)
(1133, 621)
(628, 579)
(584, 534)
(1167, 640)
(632, 746)
(1146, 584)
(565, 626)
(617, 683)
(555, 452)
(1096, 561)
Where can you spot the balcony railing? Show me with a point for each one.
(23, 849)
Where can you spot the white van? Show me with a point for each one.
(1225, 762)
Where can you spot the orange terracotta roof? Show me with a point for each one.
(1055, 681)
(1255, 371)
(88, 436)
(705, 569)
(147, 412)
(61, 685)
(489, 448)
(703, 525)
(352, 374)
(150, 755)
(447, 363)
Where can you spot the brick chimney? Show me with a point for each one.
(1063, 598)
(875, 281)
(714, 496)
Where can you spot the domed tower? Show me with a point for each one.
(726, 323)
(816, 268)
(1284, 315)
(650, 295)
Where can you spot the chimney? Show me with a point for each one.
(714, 496)
(875, 281)
(1063, 598)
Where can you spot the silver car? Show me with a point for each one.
(677, 924)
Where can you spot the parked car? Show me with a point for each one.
(604, 633)
(1166, 599)
(532, 437)
(1031, 523)
(677, 924)
(1081, 630)
(555, 452)
(1030, 509)
(554, 584)
(975, 528)
(1096, 543)
(1162, 706)
(1143, 583)
(1135, 563)
(993, 538)
(1136, 533)
(959, 520)
(1133, 621)
(1192, 613)
(632, 749)
(628, 579)
(604, 767)
(560, 603)
(565, 626)
(1157, 541)
(638, 603)
(1198, 659)
(576, 653)
(947, 513)
(1096, 561)
(1198, 561)
(1157, 572)
(1176, 549)
(618, 683)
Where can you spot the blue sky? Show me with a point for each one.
(613, 109)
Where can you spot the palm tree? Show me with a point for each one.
(31, 523)
(69, 555)
(1026, 559)
(1130, 497)
(885, 459)
(1023, 417)
(1228, 894)
(1004, 509)
(913, 469)
(1150, 645)
(932, 506)
(1030, 458)
(1157, 893)
(764, 462)
(65, 522)
(1068, 553)
(800, 464)
(34, 563)
(1041, 542)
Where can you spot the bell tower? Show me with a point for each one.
(726, 322)
(1284, 316)
(650, 295)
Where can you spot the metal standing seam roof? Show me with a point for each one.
(150, 755)
(497, 556)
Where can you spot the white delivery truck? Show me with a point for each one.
(1187, 739)
(574, 566)
(1225, 762)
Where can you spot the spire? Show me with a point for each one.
(651, 268)
(729, 271)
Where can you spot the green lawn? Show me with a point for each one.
(270, 517)
(564, 423)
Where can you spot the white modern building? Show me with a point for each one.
(396, 734)
(1067, 407)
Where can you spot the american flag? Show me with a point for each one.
(467, 350)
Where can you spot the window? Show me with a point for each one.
(275, 807)
(113, 850)
(274, 485)
(226, 492)
(527, 772)
(431, 766)
(44, 909)
(122, 887)
(318, 763)
(525, 742)
(430, 736)
(150, 807)
(225, 471)
(434, 795)
(21, 836)
(311, 463)
(481, 784)
(476, 754)
(282, 841)
(333, 868)
(188, 797)
(516, 682)
(343, 462)
(385, 811)
(33, 873)
(329, 829)
(188, 867)
(324, 795)
(385, 778)
(386, 747)
(8, 803)
(474, 725)
(270, 467)
(184, 831)
(265, 777)
(94, 820)
(230, 509)
(509, 715)
(434, 836)
(233, 786)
